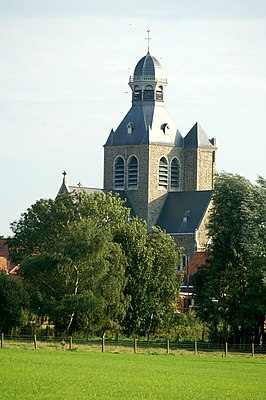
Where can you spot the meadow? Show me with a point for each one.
(30, 374)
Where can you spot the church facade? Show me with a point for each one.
(166, 178)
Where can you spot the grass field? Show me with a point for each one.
(29, 374)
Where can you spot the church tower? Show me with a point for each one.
(146, 157)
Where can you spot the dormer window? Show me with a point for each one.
(164, 128)
(130, 128)
(186, 216)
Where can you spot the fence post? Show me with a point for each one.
(226, 349)
(35, 342)
(252, 349)
(2, 340)
(196, 347)
(135, 345)
(103, 343)
(168, 346)
(70, 343)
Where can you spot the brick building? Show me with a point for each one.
(5, 264)
(166, 178)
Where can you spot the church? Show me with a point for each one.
(165, 178)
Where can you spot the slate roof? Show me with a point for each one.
(148, 122)
(183, 211)
(197, 137)
(148, 67)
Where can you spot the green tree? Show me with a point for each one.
(43, 224)
(13, 303)
(230, 294)
(72, 266)
(152, 284)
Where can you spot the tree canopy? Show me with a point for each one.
(89, 266)
(230, 293)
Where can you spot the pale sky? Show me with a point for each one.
(64, 71)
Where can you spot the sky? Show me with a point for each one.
(64, 72)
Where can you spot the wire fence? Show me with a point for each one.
(150, 346)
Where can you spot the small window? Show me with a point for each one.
(132, 173)
(183, 263)
(130, 128)
(119, 173)
(163, 172)
(136, 96)
(175, 174)
(148, 95)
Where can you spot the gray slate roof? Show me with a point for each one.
(148, 66)
(197, 137)
(148, 122)
(183, 211)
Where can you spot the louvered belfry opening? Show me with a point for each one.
(175, 173)
(163, 172)
(119, 175)
(133, 172)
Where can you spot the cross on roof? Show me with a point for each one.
(148, 39)
(64, 176)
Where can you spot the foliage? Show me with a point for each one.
(152, 281)
(13, 300)
(89, 267)
(229, 289)
(190, 327)
(74, 270)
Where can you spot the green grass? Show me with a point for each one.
(30, 374)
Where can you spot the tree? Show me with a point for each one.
(230, 294)
(152, 284)
(13, 301)
(69, 260)
(89, 266)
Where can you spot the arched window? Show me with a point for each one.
(159, 93)
(136, 95)
(132, 181)
(183, 263)
(148, 93)
(175, 174)
(119, 173)
(163, 172)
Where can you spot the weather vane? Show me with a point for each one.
(149, 39)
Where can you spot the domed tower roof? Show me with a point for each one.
(148, 68)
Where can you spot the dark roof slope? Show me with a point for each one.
(197, 137)
(183, 211)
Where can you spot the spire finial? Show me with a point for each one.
(149, 39)
(64, 176)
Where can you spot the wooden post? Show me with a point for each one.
(103, 343)
(135, 345)
(70, 343)
(226, 349)
(168, 346)
(35, 342)
(196, 348)
(2, 340)
(252, 349)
